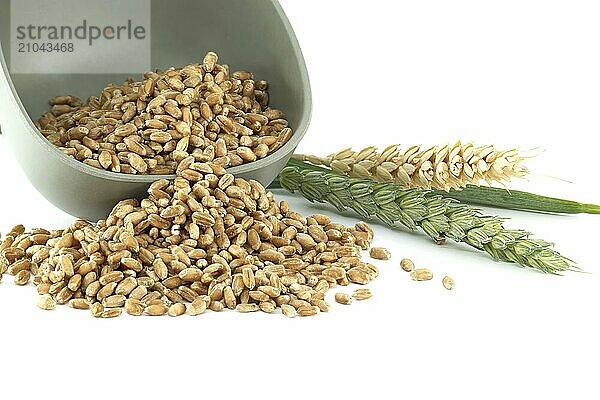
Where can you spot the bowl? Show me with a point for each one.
(252, 35)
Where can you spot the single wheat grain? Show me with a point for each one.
(46, 302)
(421, 274)
(343, 298)
(380, 253)
(448, 282)
(407, 265)
(362, 294)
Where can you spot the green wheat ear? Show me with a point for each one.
(437, 216)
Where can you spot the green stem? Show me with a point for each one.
(517, 200)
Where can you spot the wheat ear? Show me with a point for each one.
(446, 167)
(437, 216)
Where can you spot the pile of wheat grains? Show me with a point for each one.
(206, 240)
(150, 126)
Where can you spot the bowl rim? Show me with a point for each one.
(282, 152)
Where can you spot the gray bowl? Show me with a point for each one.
(254, 35)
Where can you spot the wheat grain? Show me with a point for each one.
(197, 307)
(111, 313)
(343, 298)
(156, 310)
(22, 278)
(46, 302)
(362, 294)
(307, 311)
(150, 126)
(288, 311)
(177, 310)
(448, 283)
(96, 310)
(407, 265)
(267, 307)
(380, 253)
(442, 167)
(215, 242)
(80, 304)
(248, 308)
(421, 274)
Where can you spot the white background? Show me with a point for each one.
(513, 73)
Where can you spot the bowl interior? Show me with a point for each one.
(253, 35)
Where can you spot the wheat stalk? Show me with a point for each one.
(437, 216)
(446, 167)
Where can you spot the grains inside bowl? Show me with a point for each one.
(150, 126)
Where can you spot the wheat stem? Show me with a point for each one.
(517, 200)
(492, 197)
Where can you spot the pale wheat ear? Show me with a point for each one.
(438, 167)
